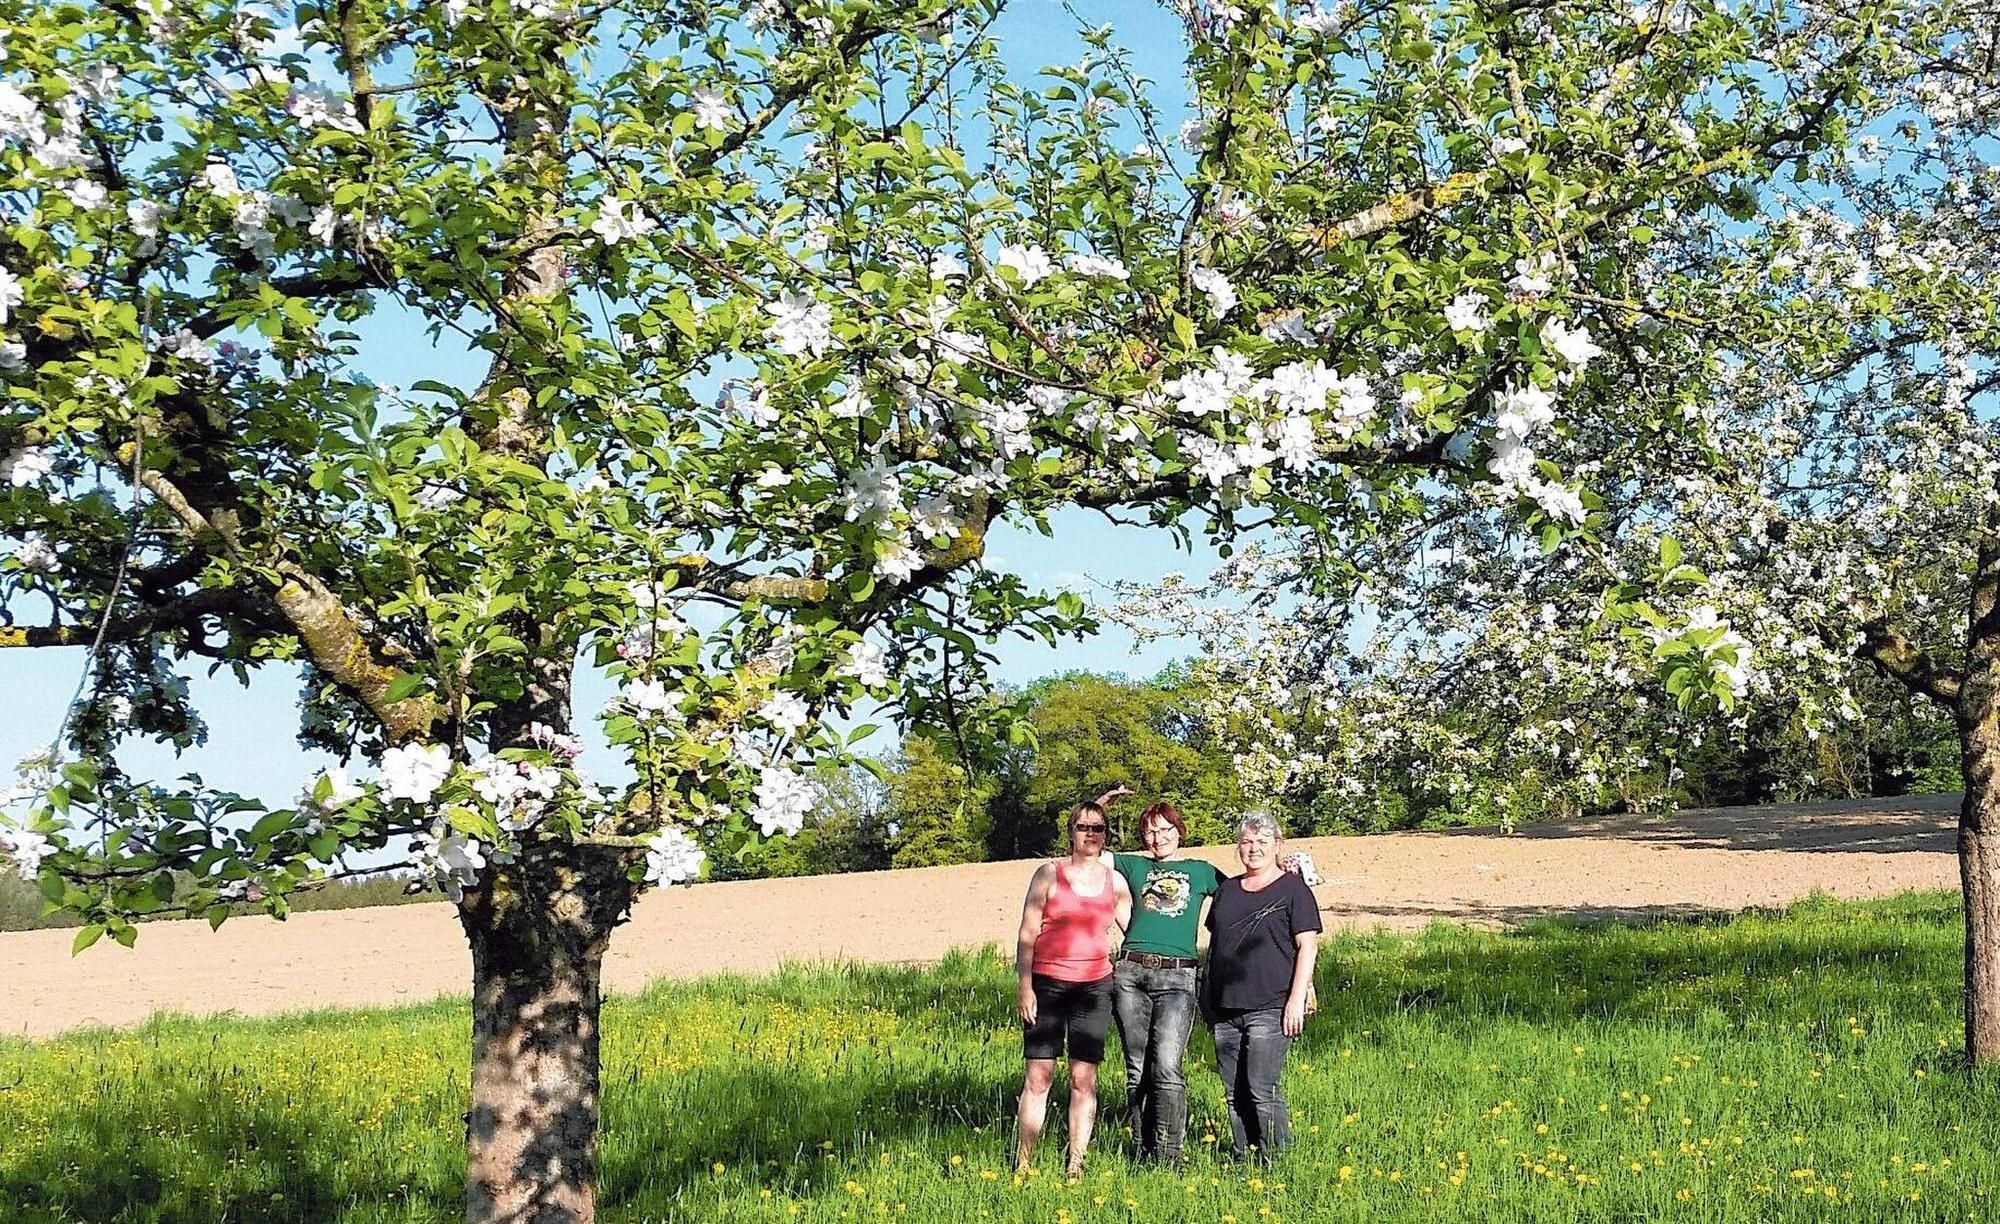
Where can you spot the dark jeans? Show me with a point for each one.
(1250, 1052)
(1155, 1009)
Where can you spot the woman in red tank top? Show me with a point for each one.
(1063, 955)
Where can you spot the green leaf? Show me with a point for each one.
(404, 685)
(1184, 331)
(86, 937)
(1670, 552)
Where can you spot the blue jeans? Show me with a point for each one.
(1250, 1050)
(1155, 1010)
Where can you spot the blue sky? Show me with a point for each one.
(251, 748)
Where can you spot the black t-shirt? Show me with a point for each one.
(1252, 950)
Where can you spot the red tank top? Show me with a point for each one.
(1074, 944)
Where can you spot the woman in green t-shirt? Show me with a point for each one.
(1153, 995)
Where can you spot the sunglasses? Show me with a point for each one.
(1091, 828)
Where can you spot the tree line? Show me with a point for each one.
(929, 804)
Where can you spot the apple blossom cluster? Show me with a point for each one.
(784, 798)
(26, 848)
(673, 857)
(447, 860)
(413, 772)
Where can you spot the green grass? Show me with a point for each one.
(1745, 1069)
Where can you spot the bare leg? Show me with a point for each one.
(1082, 1112)
(1034, 1111)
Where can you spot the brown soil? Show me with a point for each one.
(1728, 858)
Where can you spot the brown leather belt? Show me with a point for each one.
(1153, 960)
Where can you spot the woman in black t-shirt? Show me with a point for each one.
(1263, 938)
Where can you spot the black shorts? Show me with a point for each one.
(1077, 1011)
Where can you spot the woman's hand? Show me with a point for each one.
(1026, 1003)
(1295, 1015)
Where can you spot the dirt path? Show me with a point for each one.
(1724, 858)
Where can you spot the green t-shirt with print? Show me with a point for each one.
(1166, 902)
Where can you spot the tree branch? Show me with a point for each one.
(329, 632)
(1902, 659)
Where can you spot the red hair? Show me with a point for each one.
(1167, 812)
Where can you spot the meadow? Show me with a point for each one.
(1771, 1066)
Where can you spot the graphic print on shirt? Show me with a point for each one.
(1167, 893)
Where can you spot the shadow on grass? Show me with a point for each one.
(1647, 967)
(116, 1170)
(945, 1077)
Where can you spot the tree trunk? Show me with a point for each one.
(538, 930)
(1979, 866)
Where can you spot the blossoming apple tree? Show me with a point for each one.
(1825, 518)
(779, 309)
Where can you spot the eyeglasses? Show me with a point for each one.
(1092, 828)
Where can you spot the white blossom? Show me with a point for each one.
(25, 466)
(785, 711)
(413, 772)
(1520, 411)
(315, 106)
(784, 797)
(1030, 263)
(1295, 443)
(1220, 293)
(1513, 462)
(221, 180)
(1097, 267)
(1467, 312)
(867, 663)
(339, 793)
(935, 518)
(712, 110)
(1317, 22)
(896, 559)
(11, 294)
(852, 405)
(672, 857)
(20, 117)
(873, 493)
(13, 355)
(448, 860)
(1572, 344)
(945, 266)
(1558, 502)
(619, 220)
(1533, 274)
(1356, 405)
(36, 555)
(324, 225)
(27, 848)
(799, 324)
(87, 194)
(144, 216)
(1287, 328)
(649, 698)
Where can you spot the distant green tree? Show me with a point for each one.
(936, 808)
(1093, 732)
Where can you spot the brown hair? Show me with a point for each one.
(1169, 813)
(1088, 809)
